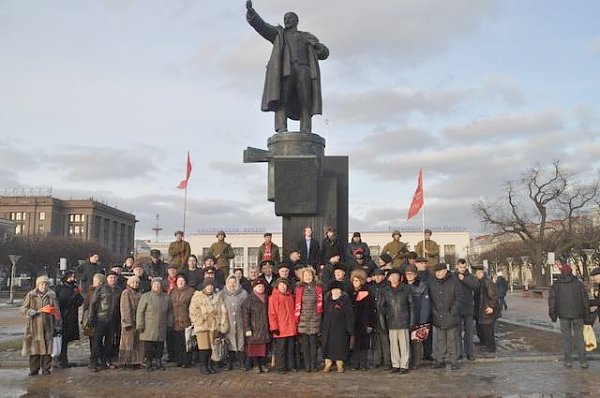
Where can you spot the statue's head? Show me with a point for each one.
(290, 20)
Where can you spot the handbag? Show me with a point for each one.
(420, 334)
(589, 338)
(56, 346)
(190, 339)
(219, 349)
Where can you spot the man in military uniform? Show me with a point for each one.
(431, 251)
(396, 249)
(179, 251)
(222, 252)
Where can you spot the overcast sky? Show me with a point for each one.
(104, 98)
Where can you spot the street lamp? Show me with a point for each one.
(13, 259)
(510, 260)
(524, 262)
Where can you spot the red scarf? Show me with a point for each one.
(268, 255)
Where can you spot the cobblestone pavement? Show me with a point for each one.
(522, 379)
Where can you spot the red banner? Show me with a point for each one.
(418, 198)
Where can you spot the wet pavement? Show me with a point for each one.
(521, 379)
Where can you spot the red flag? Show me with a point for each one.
(188, 172)
(417, 201)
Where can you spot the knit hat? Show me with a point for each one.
(260, 281)
(566, 269)
(42, 279)
(281, 280)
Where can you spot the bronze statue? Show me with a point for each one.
(293, 81)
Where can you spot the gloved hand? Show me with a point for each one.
(248, 333)
(369, 330)
(31, 313)
(276, 332)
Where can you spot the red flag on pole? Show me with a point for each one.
(188, 172)
(417, 201)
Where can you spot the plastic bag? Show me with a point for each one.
(589, 338)
(219, 349)
(56, 346)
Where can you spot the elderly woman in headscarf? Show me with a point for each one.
(40, 306)
(154, 316)
(130, 350)
(233, 296)
(88, 329)
(209, 317)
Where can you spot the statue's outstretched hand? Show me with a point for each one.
(249, 5)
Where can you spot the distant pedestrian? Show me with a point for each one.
(595, 299)
(502, 287)
(568, 301)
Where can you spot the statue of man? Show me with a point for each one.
(293, 81)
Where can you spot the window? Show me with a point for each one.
(238, 260)
(76, 225)
(450, 254)
(252, 256)
(77, 218)
(18, 216)
(19, 229)
(42, 215)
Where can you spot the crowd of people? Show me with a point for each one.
(326, 307)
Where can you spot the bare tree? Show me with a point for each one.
(544, 208)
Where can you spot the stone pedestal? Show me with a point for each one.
(308, 188)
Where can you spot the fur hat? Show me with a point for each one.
(439, 267)
(360, 275)
(336, 285)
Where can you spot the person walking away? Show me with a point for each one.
(569, 302)
(502, 288)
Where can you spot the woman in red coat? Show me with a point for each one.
(282, 324)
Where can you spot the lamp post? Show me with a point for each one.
(524, 262)
(510, 260)
(14, 259)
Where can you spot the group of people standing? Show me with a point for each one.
(355, 313)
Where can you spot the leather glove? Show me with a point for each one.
(276, 332)
(31, 313)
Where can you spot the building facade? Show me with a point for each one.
(83, 219)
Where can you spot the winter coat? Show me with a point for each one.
(330, 248)
(421, 301)
(445, 295)
(195, 278)
(156, 270)
(69, 301)
(363, 305)
(41, 327)
(337, 326)
(367, 265)
(468, 286)
(281, 314)
(311, 257)
(309, 308)
(397, 310)
(351, 247)
(224, 251)
(488, 297)
(501, 286)
(105, 303)
(179, 253)
(568, 299)
(233, 304)
(275, 256)
(85, 274)
(376, 290)
(208, 313)
(255, 319)
(181, 299)
(129, 347)
(154, 316)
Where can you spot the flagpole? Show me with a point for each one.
(423, 215)
(184, 208)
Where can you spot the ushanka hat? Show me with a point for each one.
(439, 267)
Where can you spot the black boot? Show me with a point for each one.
(160, 364)
(243, 358)
(230, 359)
(210, 364)
(203, 355)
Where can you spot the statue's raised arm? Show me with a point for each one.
(293, 80)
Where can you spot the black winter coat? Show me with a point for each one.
(351, 247)
(488, 297)
(445, 297)
(368, 266)
(397, 310)
(337, 326)
(330, 248)
(468, 287)
(568, 299)
(311, 257)
(69, 301)
(255, 318)
(364, 317)
(421, 301)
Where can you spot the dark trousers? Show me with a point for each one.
(308, 345)
(284, 353)
(572, 332)
(178, 345)
(360, 359)
(171, 346)
(416, 354)
(103, 341)
(487, 337)
(428, 347)
(63, 358)
(37, 361)
(380, 344)
(153, 350)
(445, 345)
(465, 337)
